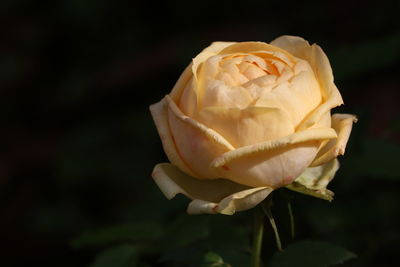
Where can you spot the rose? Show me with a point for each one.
(247, 118)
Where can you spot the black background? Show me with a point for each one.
(78, 143)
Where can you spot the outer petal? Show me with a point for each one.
(242, 127)
(159, 112)
(342, 123)
(320, 64)
(196, 144)
(313, 181)
(209, 196)
(182, 82)
(273, 163)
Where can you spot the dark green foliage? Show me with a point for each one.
(311, 254)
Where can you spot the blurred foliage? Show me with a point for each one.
(312, 254)
(79, 144)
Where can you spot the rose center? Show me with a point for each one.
(244, 70)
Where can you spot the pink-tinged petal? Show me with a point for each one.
(273, 163)
(342, 123)
(314, 180)
(319, 62)
(209, 196)
(159, 112)
(197, 144)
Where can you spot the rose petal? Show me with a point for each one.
(209, 196)
(249, 47)
(183, 80)
(319, 62)
(342, 123)
(159, 112)
(239, 201)
(314, 180)
(208, 52)
(242, 127)
(273, 163)
(196, 144)
(298, 97)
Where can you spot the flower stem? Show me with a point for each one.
(259, 219)
(292, 226)
(266, 207)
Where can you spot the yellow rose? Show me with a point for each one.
(247, 118)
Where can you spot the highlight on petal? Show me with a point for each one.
(208, 196)
(259, 148)
(196, 144)
(314, 180)
(319, 62)
(342, 124)
(273, 163)
(159, 112)
(242, 127)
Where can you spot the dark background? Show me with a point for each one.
(78, 142)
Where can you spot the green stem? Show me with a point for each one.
(257, 237)
(292, 227)
(266, 207)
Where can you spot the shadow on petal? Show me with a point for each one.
(209, 196)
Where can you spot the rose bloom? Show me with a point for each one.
(247, 118)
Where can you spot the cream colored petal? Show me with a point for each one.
(159, 112)
(217, 93)
(320, 64)
(314, 180)
(209, 196)
(273, 163)
(208, 52)
(240, 201)
(188, 100)
(250, 47)
(342, 123)
(182, 82)
(298, 97)
(242, 127)
(197, 144)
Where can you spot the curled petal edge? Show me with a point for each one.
(314, 180)
(159, 112)
(342, 124)
(209, 133)
(322, 69)
(259, 148)
(208, 196)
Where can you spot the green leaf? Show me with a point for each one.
(184, 231)
(125, 232)
(212, 259)
(310, 253)
(120, 256)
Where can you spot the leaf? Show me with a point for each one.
(120, 256)
(310, 253)
(212, 259)
(124, 232)
(184, 231)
